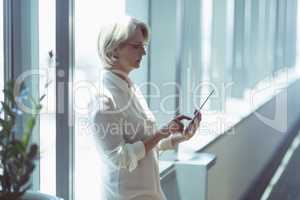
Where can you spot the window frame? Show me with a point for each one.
(64, 99)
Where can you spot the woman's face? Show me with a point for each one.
(131, 52)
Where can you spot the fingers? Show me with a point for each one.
(181, 117)
(197, 118)
(193, 126)
(200, 116)
(176, 126)
(187, 134)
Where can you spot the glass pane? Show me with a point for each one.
(47, 75)
(89, 15)
(163, 60)
(1, 52)
(298, 39)
(196, 72)
(162, 69)
(191, 56)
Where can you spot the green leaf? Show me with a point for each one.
(9, 94)
(16, 159)
(7, 125)
(28, 130)
(7, 109)
(15, 148)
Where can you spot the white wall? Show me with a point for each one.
(243, 154)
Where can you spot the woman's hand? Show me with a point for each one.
(188, 132)
(174, 126)
(191, 129)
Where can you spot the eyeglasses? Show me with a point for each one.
(138, 45)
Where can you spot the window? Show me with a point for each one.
(238, 48)
(1, 52)
(47, 66)
(89, 16)
(298, 39)
(205, 47)
(163, 50)
(232, 46)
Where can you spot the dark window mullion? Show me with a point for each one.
(64, 99)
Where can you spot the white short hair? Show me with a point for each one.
(113, 34)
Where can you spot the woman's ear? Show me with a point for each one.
(115, 54)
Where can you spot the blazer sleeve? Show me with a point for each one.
(108, 134)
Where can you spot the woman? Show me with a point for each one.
(124, 127)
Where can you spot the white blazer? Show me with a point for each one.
(122, 120)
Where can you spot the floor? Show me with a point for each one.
(285, 185)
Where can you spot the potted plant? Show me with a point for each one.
(17, 153)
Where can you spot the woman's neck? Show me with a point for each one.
(124, 71)
(123, 75)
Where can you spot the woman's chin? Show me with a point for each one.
(136, 65)
(133, 67)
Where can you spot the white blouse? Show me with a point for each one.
(122, 120)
